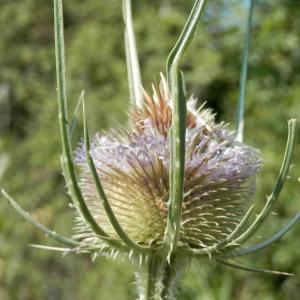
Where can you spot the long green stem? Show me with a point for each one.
(133, 67)
(161, 278)
(154, 280)
(243, 77)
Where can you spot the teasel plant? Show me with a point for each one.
(171, 187)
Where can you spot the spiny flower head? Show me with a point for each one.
(123, 197)
(133, 166)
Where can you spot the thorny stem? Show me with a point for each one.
(154, 284)
(160, 278)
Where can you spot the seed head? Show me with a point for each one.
(133, 166)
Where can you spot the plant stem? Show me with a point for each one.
(159, 278)
(154, 286)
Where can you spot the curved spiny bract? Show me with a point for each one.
(102, 196)
(133, 166)
(67, 157)
(264, 244)
(283, 174)
(49, 233)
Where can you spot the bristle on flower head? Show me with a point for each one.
(133, 166)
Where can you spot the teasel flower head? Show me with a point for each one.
(172, 185)
(133, 166)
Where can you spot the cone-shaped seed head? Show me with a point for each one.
(133, 166)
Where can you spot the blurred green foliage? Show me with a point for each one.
(29, 143)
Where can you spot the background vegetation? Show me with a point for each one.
(29, 143)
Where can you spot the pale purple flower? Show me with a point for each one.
(133, 165)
